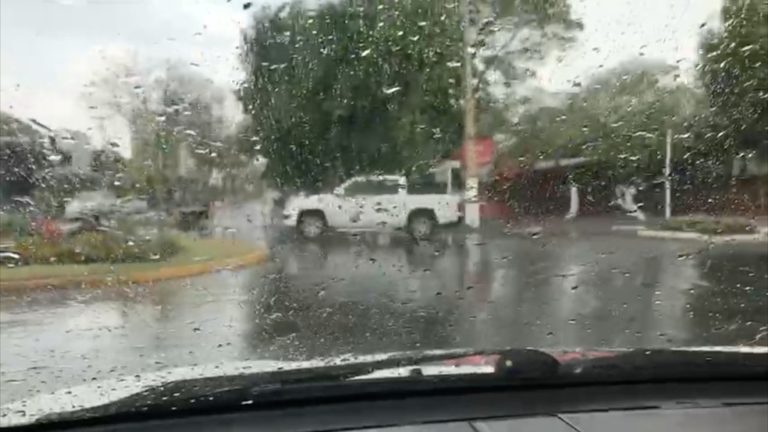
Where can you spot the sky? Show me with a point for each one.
(50, 48)
(620, 30)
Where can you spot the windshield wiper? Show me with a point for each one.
(668, 364)
(227, 391)
(337, 382)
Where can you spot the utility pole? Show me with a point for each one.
(668, 177)
(471, 202)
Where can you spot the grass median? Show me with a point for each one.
(709, 225)
(197, 256)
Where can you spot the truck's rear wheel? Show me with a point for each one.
(421, 225)
(311, 224)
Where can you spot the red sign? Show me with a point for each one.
(485, 150)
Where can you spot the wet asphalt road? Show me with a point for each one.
(369, 294)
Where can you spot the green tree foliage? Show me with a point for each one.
(510, 47)
(107, 162)
(23, 166)
(352, 87)
(734, 71)
(376, 85)
(18, 130)
(619, 120)
(24, 158)
(176, 118)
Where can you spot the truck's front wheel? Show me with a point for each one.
(421, 225)
(311, 224)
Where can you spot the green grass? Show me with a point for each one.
(709, 225)
(193, 251)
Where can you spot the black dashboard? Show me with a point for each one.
(701, 406)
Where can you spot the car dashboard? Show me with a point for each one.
(700, 406)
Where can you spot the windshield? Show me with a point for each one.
(553, 174)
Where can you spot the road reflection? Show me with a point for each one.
(730, 305)
(352, 295)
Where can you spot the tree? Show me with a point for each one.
(107, 162)
(510, 45)
(176, 117)
(23, 166)
(26, 157)
(12, 128)
(619, 120)
(352, 87)
(734, 73)
(375, 85)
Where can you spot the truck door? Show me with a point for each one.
(384, 202)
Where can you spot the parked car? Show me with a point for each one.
(192, 218)
(373, 203)
(10, 258)
(104, 203)
(130, 205)
(80, 224)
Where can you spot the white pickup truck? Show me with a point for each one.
(376, 203)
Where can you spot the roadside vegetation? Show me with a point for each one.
(709, 225)
(97, 247)
(13, 226)
(191, 251)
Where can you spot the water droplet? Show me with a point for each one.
(550, 334)
(572, 321)
(391, 90)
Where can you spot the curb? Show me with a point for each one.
(683, 235)
(143, 277)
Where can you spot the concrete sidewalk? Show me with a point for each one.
(584, 225)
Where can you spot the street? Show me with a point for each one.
(349, 294)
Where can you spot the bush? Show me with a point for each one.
(165, 246)
(38, 250)
(14, 225)
(97, 247)
(707, 225)
(101, 247)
